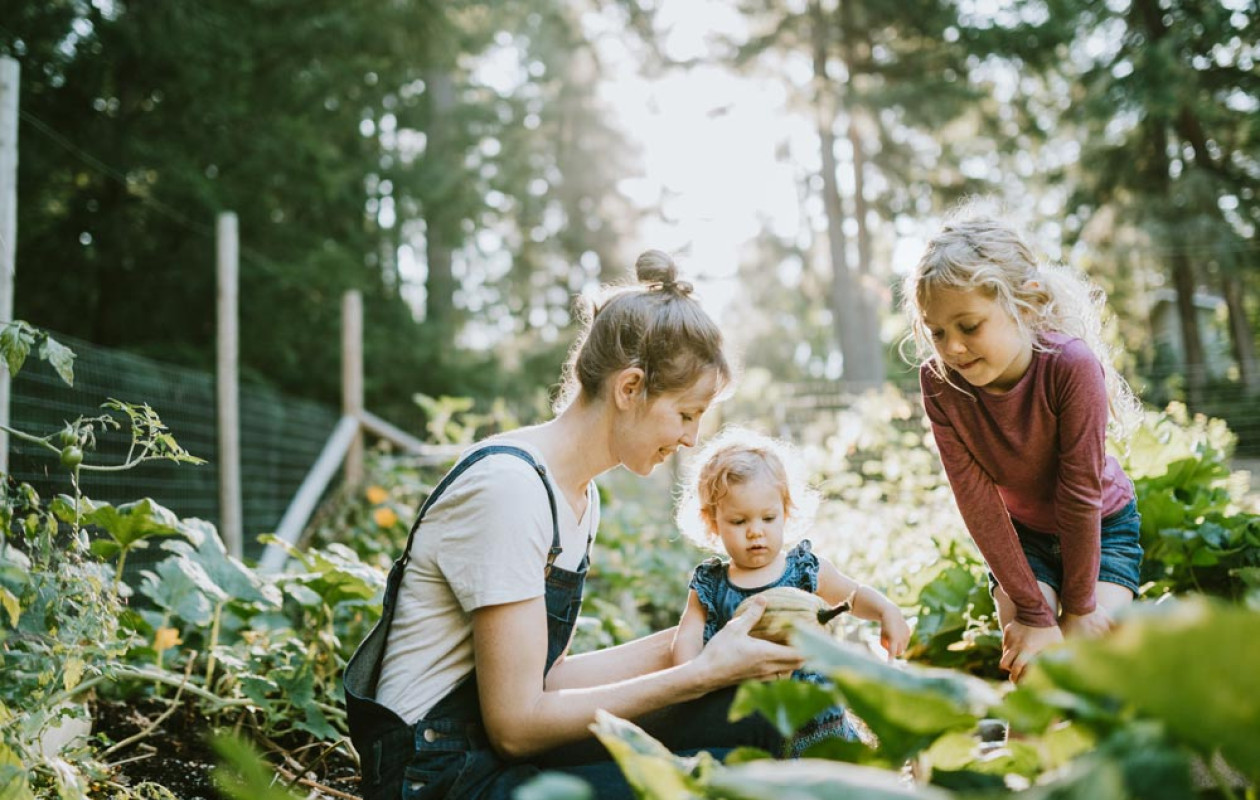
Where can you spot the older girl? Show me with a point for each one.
(1018, 385)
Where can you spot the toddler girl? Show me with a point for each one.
(1018, 386)
(747, 497)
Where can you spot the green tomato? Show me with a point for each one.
(69, 436)
(71, 457)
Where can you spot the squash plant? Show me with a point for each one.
(1126, 716)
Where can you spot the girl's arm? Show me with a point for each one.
(1081, 390)
(866, 603)
(522, 718)
(985, 514)
(689, 639)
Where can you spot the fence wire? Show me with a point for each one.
(280, 436)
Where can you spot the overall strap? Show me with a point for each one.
(459, 469)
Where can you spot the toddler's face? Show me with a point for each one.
(750, 521)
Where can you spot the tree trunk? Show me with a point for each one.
(440, 229)
(845, 303)
(1240, 334)
(868, 294)
(1192, 343)
(1146, 15)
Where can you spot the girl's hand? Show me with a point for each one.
(732, 656)
(1021, 642)
(1091, 625)
(894, 633)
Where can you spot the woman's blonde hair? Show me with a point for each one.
(655, 325)
(737, 456)
(977, 251)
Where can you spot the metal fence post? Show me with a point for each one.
(10, 76)
(227, 386)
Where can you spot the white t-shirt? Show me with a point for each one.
(484, 542)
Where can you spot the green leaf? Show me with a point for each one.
(906, 708)
(15, 345)
(1066, 742)
(1249, 576)
(183, 588)
(742, 755)
(554, 786)
(316, 724)
(1171, 663)
(14, 779)
(1026, 712)
(258, 689)
(648, 765)
(73, 672)
(60, 357)
(132, 522)
(337, 575)
(244, 775)
(1088, 779)
(304, 595)
(788, 704)
(11, 605)
(814, 779)
(236, 580)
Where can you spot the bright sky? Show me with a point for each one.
(707, 141)
(723, 150)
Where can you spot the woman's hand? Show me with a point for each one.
(732, 656)
(1021, 642)
(894, 633)
(1091, 625)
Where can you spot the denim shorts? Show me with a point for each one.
(1120, 561)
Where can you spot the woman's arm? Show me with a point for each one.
(523, 719)
(639, 657)
(689, 638)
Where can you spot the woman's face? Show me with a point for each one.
(658, 426)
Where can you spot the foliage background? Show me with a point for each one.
(463, 165)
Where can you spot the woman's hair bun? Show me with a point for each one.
(655, 266)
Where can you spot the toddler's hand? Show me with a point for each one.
(1091, 625)
(894, 633)
(1021, 642)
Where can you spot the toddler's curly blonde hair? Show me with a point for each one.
(737, 456)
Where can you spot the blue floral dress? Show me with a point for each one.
(720, 598)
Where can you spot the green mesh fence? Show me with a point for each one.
(280, 436)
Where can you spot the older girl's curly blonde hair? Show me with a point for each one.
(976, 250)
(737, 456)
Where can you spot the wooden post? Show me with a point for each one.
(352, 379)
(10, 74)
(227, 390)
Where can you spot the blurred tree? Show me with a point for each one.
(887, 82)
(142, 121)
(386, 146)
(1165, 95)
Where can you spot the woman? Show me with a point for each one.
(465, 689)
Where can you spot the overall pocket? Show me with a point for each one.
(430, 775)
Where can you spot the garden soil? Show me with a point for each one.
(177, 755)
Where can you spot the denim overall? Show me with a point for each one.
(447, 754)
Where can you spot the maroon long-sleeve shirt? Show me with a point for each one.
(1037, 454)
